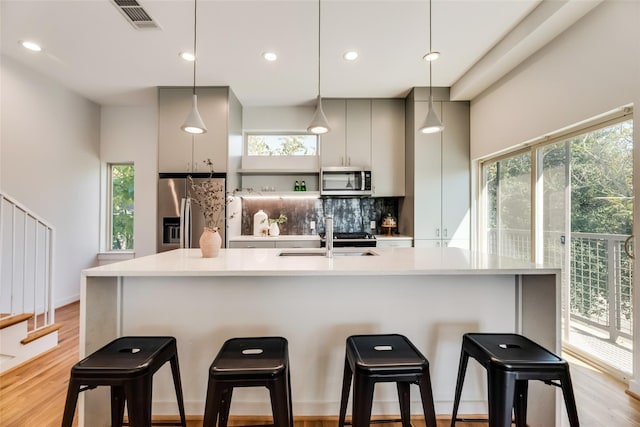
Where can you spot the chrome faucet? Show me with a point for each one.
(328, 225)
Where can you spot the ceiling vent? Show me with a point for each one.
(135, 14)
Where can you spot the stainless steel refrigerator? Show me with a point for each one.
(180, 222)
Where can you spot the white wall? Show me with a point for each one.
(49, 161)
(130, 134)
(590, 69)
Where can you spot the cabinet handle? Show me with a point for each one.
(445, 232)
(437, 232)
(348, 161)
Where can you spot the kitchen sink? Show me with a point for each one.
(343, 252)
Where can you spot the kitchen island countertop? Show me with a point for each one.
(267, 262)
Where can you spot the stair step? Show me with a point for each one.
(15, 319)
(34, 335)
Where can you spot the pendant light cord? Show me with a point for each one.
(195, 38)
(318, 47)
(430, 51)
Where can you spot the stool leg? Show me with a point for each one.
(520, 405)
(70, 404)
(225, 406)
(569, 398)
(501, 387)
(405, 401)
(279, 404)
(117, 405)
(346, 385)
(462, 370)
(426, 392)
(289, 402)
(138, 396)
(212, 403)
(362, 401)
(175, 372)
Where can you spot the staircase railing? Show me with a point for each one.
(26, 264)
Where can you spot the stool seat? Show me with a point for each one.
(511, 360)
(127, 365)
(250, 362)
(384, 358)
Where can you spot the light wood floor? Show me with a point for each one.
(32, 395)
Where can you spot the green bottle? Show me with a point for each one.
(303, 186)
(297, 186)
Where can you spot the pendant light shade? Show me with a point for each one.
(193, 123)
(319, 123)
(432, 123)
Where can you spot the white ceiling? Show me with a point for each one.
(92, 49)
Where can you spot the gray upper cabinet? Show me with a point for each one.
(179, 151)
(438, 209)
(348, 143)
(368, 133)
(387, 147)
(358, 130)
(333, 143)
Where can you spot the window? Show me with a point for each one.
(120, 206)
(280, 151)
(282, 145)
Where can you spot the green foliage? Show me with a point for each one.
(122, 207)
(279, 145)
(601, 180)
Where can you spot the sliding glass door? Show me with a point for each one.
(569, 203)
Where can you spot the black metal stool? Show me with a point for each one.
(127, 365)
(250, 362)
(512, 360)
(384, 358)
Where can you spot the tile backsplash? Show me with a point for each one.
(349, 214)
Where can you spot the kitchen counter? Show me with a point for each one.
(431, 295)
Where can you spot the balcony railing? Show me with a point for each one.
(600, 275)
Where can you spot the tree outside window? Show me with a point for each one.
(121, 176)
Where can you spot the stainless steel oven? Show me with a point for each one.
(350, 240)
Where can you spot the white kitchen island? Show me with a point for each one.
(430, 295)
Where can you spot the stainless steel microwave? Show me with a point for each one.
(345, 181)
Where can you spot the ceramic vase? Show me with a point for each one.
(210, 242)
(274, 230)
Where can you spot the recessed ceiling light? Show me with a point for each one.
(270, 56)
(35, 47)
(431, 56)
(187, 56)
(351, 55)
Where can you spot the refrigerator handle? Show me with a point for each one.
(185, 223)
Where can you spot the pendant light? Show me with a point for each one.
(193, 123)
(319, 123)
(432, 123)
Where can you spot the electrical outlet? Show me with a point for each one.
(312, 225)
(372, 225)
